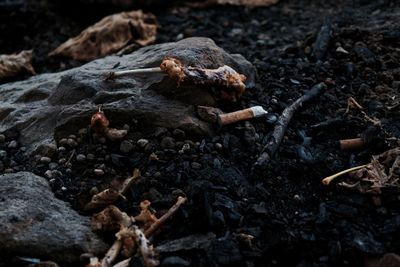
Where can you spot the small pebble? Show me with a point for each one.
(63, 142)
(142, 142)
(94, 190)
(83, 131)
(196, 165)
(218, 146)
(45, 160)
(9, 170)
(53, 165)
(179, 134)
(98, 172)
(80, 158)
(63, 188)
(48, 174)
(62, 161)
(3, 154)
(48, 150)
(72, 136)
(90, 157)
(126, 146)
(2, 138)
(13, 144)
(168, 142)
(72, 143)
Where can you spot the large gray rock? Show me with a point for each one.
(49, 106)
(34, 223)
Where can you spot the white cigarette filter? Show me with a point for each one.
(241, 115)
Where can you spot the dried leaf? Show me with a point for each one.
(16, 64)
(110, 219)
(110, 35)
(383, 171)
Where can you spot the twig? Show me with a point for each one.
(329, 179)
(277, 136)
(115, 74)
(149, 231)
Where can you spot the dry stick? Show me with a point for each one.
(115, 74)
(322, 42)
(329, 179)
(149, 231)
(279, 131)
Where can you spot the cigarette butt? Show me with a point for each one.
(241, 115)
(351, 144)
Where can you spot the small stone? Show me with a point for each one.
(80, 158)
(8, 170)
(93, 191)
(3, 154)
(22, 148)
(13, 144)
(72, 136)
(71, 142)
(142, 142)
(83, 131)
(98, 172)
(341, 50)
(63, 188)
(179, 134)
(68, 170)
(218, 146)
(196, 165)
(62, 161)
(48, 174)
(63, 142)
(126, 146)
(161, 132)
(168, 143)
(45, 160)
(90, 157)
(2, 138)
(48, 150)
(126, 127)
(53, 165)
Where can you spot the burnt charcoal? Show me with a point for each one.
(365, 54)
(226, 252)
(228, 207)
(322, 42)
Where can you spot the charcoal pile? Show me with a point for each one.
(215, 133)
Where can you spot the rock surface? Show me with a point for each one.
(51, 106)
(34, 223)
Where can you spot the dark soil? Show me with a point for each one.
(295, 220)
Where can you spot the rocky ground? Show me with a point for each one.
(294, 219)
